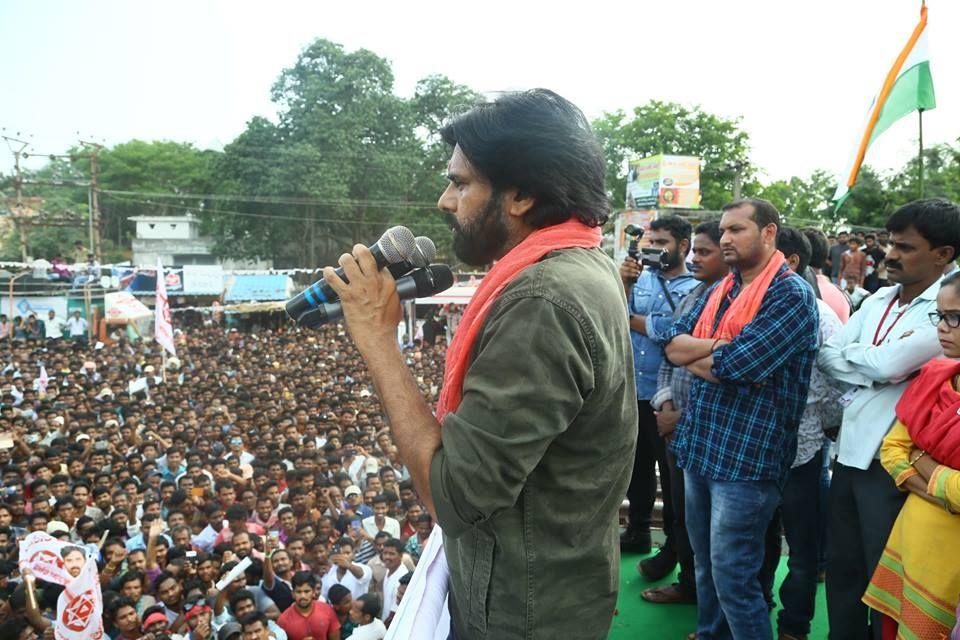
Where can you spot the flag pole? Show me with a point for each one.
(920, 156)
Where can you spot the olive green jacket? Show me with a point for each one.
(536, 460)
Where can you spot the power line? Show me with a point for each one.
(267, 215)
(385, 204)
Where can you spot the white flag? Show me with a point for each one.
(80, 607)
(42, 554)
(43, 380)
(163, 326)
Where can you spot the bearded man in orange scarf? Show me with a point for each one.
(529, 454)
(751, 345)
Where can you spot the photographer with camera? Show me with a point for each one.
(655, 280)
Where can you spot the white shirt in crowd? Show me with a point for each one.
(390, 585)
(391, 526)
(357, 586)
(376, 630)
(54, 327)
(76, 326)
(877, 351)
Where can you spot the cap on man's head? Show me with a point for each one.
(229, 631)
(352, 490)
(55, 526)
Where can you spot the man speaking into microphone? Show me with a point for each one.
(526, 461)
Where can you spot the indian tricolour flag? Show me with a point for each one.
(908, 87)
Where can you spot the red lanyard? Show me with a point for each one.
(876, 334)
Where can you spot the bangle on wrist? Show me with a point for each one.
(917, 459)
(713, 347)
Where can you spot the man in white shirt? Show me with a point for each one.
(877, 351)
(393, 559)
(343, 570)
(380, 521)
(77, 327)
(54, 325)
(363, 613)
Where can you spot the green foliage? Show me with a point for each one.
(363, 158)
(802, 202)
(149, 167)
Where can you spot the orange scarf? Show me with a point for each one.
(744, 307)
(571, 233)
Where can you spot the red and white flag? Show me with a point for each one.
(80, 607)
(41, 554)
(163, 325)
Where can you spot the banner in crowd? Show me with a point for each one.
(203, 279)
(80, 607)
(664, 181)
(41, 554)
(120, 305)
(163, 325)
(40, 306)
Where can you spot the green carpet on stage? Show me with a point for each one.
(638, 619)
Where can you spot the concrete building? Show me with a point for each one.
(176, 240)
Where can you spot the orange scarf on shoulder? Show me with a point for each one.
(744, 307)
(569, 234)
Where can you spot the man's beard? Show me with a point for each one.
(480, 240)
(673, 260)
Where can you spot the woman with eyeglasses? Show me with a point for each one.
(917, 583)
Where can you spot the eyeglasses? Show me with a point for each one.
(950, 318)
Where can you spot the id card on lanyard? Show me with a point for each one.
(877, 338)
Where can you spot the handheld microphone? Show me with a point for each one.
(419, 284)
(395, 245)
(423, 255)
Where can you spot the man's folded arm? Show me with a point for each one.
(774, 336)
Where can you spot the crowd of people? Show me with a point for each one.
(250, 487)
(262, 449)
(790, 387)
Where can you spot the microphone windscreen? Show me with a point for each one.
(397, 244)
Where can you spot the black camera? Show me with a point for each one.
(655, 258)
(635, 231)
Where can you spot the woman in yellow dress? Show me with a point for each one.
(917, 583)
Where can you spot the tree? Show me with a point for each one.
(149, 167)
(801, 202)
(348, 156)
(670, 128)
(60, 185)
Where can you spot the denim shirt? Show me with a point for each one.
(647, 299)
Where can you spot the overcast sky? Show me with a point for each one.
(800, 74)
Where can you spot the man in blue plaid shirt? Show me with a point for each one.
(737, 437)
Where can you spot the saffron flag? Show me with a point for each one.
(163, 326)
(908, 87)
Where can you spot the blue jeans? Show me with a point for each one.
(727, 522)
(802, 512)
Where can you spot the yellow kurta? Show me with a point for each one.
(917, 582)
